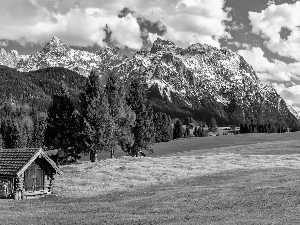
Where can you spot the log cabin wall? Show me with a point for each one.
(26, 173)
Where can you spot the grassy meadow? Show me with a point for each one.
(242, 179)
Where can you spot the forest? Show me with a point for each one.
(56, 108)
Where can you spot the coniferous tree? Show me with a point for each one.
(178, 131)
(39, 128)
(157, 120)
(195, 132)
(143, 130)
(163, 127)
(166, 127)
(60, 130)
(170, 129)
(187, 131)
(214, 125)
(1, 141)
(122, 115)
(98, 125)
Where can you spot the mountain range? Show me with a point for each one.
(200, 81)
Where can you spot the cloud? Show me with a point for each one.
(82, 23)
(269, 24)
(3, 43)
(235, 43)
(290, 93)
(275, 70)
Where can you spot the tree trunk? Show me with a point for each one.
(112, 153)
(93, 156)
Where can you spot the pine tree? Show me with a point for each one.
(157, 120)
(143, 131)
(170, 129)
(98, 125)
(214, 126)
(195, 132)
(166, 128)
(1, 141)
(122, 115)
(61, 128)
(39, 128)
(178, 130)
(187, 131)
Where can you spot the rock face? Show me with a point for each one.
(217, 80)
(58, 54)
(11, 58)
(199, 81)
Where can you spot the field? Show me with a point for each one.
(243, 179)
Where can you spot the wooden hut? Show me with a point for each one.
(26, 172)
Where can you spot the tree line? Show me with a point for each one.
(100, 119)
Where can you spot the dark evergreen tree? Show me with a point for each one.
(163, 127)
(214, 125)
(178, 131)
(167, 131)
(143, 131)
(187, 132)
(157, 120)
(98, 125)
(195, 132)
(122, 115)
(39, 128)
(1, 141)
(61, 127)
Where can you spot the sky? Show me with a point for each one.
(265, 32)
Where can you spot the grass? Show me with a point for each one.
(254, 183)
(205, 145)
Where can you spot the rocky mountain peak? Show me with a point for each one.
(55, 39)
(163, 45)
(56, 46)
(2, 51)
(108, 51)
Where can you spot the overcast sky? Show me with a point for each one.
(265, 32)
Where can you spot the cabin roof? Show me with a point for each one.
(13, 162)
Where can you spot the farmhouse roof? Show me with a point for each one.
(13, 162)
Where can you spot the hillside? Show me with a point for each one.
(37, 87)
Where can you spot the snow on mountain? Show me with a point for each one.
(11, 58)
(201, 76)
(198, 71)
(58, 54)
(211, 78)
(295, 111)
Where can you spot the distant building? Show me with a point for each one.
(230, 130)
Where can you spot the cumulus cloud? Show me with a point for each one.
(290, 93)
(82, 23)
(269, 23)
(275, 70)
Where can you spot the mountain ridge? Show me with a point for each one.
(200, 79)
